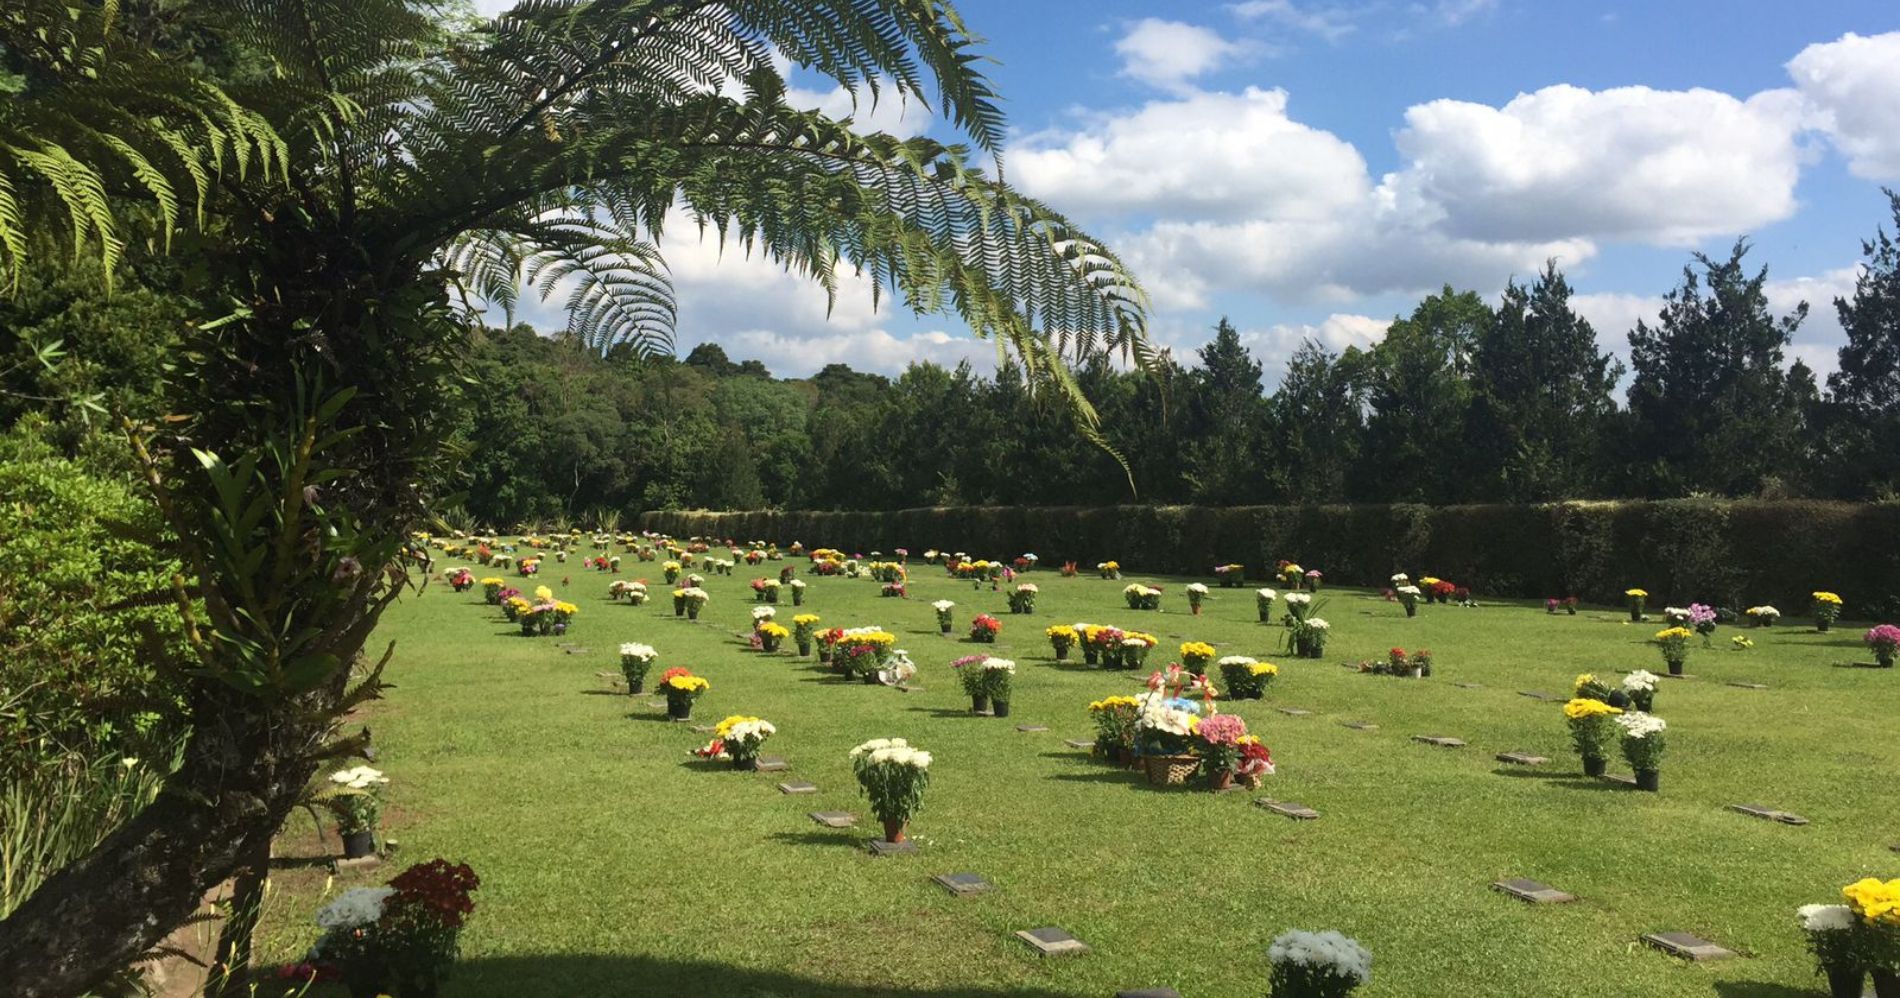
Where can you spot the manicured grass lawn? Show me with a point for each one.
(614, 864)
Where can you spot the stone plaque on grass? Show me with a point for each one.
(359, 863)
(1361, 725)
(1522, 758)
(1077, 743)
(773, 764)
(1439, 740)
(1619, 779)
(834, 819)
(1532, 891)
(963, 884)
(1469, 686)
(1294, 712)
(704, 729)
(1688, 946)
(879, 847)
(1534, 695)
(1149, 993)
(1749, 686)
(1031, 728)
(1768, 814)
(797, 787)
(1051, 941)
(1291, 809)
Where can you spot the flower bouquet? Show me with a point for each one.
(513, 605)
(491, 589)
(1023, 599)
(1640, 687)
(1062, 637)
(797, 587)
(771, 635)
(400, 939)
(1827, 610)
(1409, 596)
(635, 660)
(803, 626)
(1588, 687)
(893, 775)
(461, 579)
(1195, 594)
(1263, 602)
(1135, 647)
(1832, 931)
(738, 738)
(1876, 909)
(1291, 575)
(861, 652)
(894, 590)
(1246, 678)
(1196, 656)
(1230, 576)
(1313, 577)
(695, 601)
(1643, 747)
(1673, 642)
(1142, 597)
(1219, 748)
(679, 602)
(983, 629)
(681, 688)
(1636, 598)
(974, 682)
(1763, 616)
(1702, 620)
(1101, 645)
(1590, 729)
(1109, 569)
(1317, 965)
(671, 570)
(356, 798)
(999, 678)
(1114, 719)
(761, 614)
(1166, 730)
(1884, 639)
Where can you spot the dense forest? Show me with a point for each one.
(1462, 401)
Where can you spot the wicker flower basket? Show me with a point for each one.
(1170, 770)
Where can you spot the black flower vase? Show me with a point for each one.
(357, 845)
(1594, 767)
(979, 704)
(1648, 779)
(1000, 708)
(1845, 982)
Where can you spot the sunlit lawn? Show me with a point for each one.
(614, 864)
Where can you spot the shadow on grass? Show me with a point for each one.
(607, 693)
(1861, 665)
(1574, 782)
(1526, 773)
(838, 837)
(659, 715)
(951, 712)
(591, 974)
(1757, 989)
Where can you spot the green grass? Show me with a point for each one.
(613, 864)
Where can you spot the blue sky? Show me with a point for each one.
(1311, 168)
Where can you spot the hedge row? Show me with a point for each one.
(1733, 554)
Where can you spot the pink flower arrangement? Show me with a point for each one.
(1884, 639)
(1223, 729)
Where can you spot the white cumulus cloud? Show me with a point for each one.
(1168, 54)
(1853, 86)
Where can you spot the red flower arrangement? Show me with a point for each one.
(437, 891)
(984, 628)
(1068, 570)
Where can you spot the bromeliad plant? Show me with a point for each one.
(893, 776)
(635, 660)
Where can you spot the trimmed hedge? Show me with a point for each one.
(1730, 553)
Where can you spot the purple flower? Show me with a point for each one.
(1700, 613)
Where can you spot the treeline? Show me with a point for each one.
(1462, 402)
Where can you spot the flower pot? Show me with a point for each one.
(749, 764)
(1648, 779)
(1886, 983)
(1636, 615)
(527, 629)
(1222, 780)
(1675, 668)
(868, 677)
(1266, 616)
(979, 704)
(1124, 756)
(1170, 770)
(1091, 655)
(635, 687)
(1195, 609)
(999, 708)
(679, 708)
(1824, 626)
(1594, 767)
(804, 649)
(893, 829)
(1845, 982)
(769, 644)
(1411, 609)
(357, 845)
(1418, 673)
(1883, 661)
(692, 612)
(1062, 653)
(944, 626)
(560, 627)
(679, 608)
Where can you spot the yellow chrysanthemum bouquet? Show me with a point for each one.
(1591, 725)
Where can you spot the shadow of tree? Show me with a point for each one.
(1757, 989)
(597, 975)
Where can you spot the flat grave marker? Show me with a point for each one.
(793, 787)
(1439, 740)
(1291, 809)
(1534, 695)
(1294, 712)
(1031, 728)
(1469, 686)
(963, 884)
(834, 819)
(1768, 814)
(1687, 946)
(1360, 725)
(1051, 941)
(773, 764)
(1619, 779)
(704, 729)
(1533, 892)
(1522, 758)
(1748, 686)
(879, 847)
(1077, 743)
